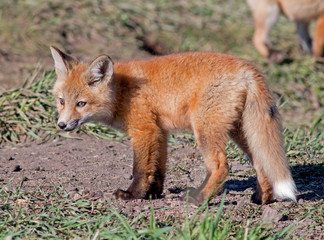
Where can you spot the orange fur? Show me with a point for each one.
(214, 95)
(318, 43)
(266, 13)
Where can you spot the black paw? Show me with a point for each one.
(256, 198)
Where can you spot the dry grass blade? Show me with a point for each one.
(27, 111)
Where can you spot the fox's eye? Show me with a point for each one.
(62, 101)
(81, 104)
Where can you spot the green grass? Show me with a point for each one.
(41, 215)
(28, 111)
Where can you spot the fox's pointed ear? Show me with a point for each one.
(100, 70)
(63, 62)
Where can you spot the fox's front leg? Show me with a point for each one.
(149, 143)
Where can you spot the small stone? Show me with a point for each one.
(22, 202)
(100, 194)
(91, 194)
(8, 237)
(39, 168)
(17, 168)
(137, 209)
(271, 215)
(128, 176)
(84, 192)
(301, 201)
(77, 196)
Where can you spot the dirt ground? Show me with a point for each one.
(95, 168)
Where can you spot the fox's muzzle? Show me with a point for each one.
(68, 126)
(61, 125)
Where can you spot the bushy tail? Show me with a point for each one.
(262, 128)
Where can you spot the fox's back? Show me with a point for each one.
(302, 10)
(185, 72)
(175, 85)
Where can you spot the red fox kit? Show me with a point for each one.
(266, 13)
(217, 96)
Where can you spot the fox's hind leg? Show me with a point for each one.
(263, 194)
(265, 14)
(211, 143)
(303, 32)
(318, 42)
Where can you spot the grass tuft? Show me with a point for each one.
(28, 112)
(56, 216)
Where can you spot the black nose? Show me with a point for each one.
(61, 125)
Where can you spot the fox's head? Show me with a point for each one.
(84, 91)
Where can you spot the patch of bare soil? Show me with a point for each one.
(93, 167)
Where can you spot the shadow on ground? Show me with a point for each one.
(309, 181)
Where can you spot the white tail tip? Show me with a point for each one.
(285, 189)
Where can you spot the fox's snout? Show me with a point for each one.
(61, 125)
(68, 126)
